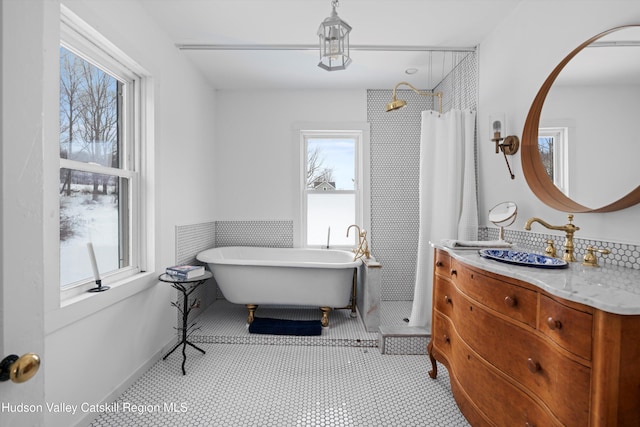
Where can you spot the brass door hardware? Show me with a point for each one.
(19, 369)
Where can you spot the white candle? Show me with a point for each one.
(94, 264)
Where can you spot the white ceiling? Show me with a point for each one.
(442, 24)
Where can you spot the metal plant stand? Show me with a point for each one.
(186, 287)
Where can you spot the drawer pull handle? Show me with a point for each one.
(554, 324)
(528, 424)
(446, 338)
(447, 299)
(510, 301)
(438, 263)
(454, 272)
(533, 366)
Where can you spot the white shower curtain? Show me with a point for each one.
(448, 199)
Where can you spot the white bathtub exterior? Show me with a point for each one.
(282, 276)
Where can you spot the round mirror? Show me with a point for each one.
(579, 146)
(503, 215)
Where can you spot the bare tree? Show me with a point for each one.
(89, 108)
(316, 170)
(70, 85)
(545, 145)
(99, 117)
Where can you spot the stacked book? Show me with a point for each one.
(185, 271)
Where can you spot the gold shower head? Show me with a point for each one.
(396, 104)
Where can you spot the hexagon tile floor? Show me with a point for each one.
(246, 384)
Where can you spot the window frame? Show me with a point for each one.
(348, 130)
(560, 135)
(82, 40)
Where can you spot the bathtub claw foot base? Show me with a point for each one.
(251, 308)
(325, 316)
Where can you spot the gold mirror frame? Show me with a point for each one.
(539, 182)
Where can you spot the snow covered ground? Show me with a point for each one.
(93, 221)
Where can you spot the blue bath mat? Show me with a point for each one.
(265, 325)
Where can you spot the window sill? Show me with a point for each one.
(76, 308)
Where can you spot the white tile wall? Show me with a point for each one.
(395, 172)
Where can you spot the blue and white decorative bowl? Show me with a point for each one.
(527, 259)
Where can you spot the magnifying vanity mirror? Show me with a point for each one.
(581, 140)
(503, 215)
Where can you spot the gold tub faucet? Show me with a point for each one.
(569, 229)
(363, 246)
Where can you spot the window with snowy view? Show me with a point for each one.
(98, 187)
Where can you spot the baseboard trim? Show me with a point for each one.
(128, 382)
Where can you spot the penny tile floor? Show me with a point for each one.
(246, 380)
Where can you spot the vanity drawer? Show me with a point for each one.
(442, 335)
(529, 359)
(512, 300)
(568, 327)
(442, 263)
(491, 391)
(445, 295)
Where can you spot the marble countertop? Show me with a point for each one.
(608, 288)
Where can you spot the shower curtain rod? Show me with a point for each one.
(377, 48)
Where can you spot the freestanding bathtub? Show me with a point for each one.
(284, 276)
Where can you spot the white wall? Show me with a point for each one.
(96, 346)
(514, 62)
(255, 171)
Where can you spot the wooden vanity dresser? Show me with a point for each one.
(518, 355)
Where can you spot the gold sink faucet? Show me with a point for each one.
(569, 229)
(590, 259)
(363, 246)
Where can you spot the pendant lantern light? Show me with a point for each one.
(333, 35)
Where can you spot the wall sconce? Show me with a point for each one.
(509, 145)
(334, 42)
